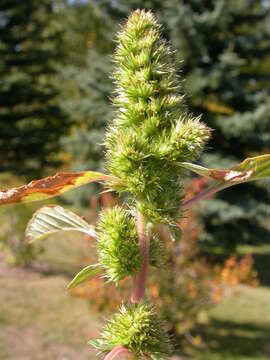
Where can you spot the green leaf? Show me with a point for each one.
(51, 219)
(85, 274)
(251, 169)
(51, 186)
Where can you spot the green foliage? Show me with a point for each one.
(138, 328)
(152, 129)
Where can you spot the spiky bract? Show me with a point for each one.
(139, 329)
(118, 248)
(118, 243)
(152, 130)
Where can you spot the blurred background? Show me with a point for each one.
(55, 89)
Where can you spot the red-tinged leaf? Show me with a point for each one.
(251, 169)
(51, 186)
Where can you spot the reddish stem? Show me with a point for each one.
(202, 195)
(139, 282)
(118, 350)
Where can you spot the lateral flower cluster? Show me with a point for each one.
(139, 329)
(152, 131)
(118, 249)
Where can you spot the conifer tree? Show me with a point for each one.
(31, 121)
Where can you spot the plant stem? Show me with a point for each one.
(118, 350)
(202, 195)
(139, 282)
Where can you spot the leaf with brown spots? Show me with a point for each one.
(51, 186)
(251, 169)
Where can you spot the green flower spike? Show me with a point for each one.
(152, 131)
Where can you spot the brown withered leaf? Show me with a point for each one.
(51, 186)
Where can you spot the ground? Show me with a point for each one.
(40, 320)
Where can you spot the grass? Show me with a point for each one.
(239, 328)
(39, 320)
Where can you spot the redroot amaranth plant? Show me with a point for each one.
(148, 143)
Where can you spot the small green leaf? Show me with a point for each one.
(51, 219)
(85, 274)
